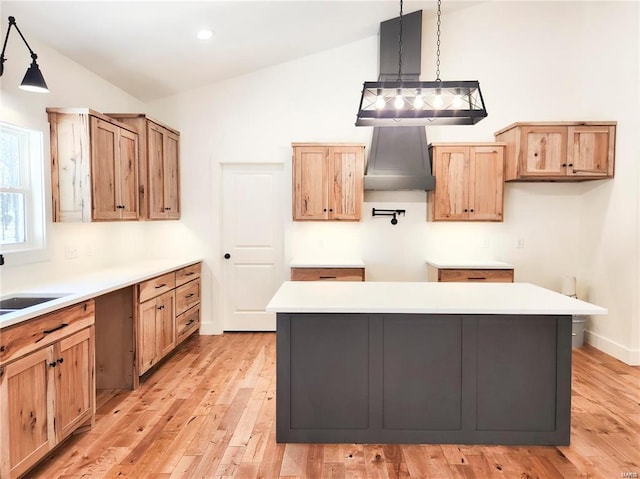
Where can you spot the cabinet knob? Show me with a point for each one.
(564, 164)
(331, 210)
(167, 209)
(325, 210)
(471, 210)
(571, 164)
(161, 307)
(53, 364)
(465, 210)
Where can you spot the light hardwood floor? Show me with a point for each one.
(208, 412)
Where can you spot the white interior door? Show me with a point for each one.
(253, 244)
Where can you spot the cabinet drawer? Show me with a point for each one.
(36, 333)
(187, 323)
(187, 274)
(327, 274)
(156, 286)
(476, 275)
(187, 296)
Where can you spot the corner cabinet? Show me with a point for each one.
(327, 181)
(561, 151)
(159, 152)
(47, 384)
(469, 182)
(94, 166)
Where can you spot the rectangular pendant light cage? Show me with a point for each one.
(415, 103)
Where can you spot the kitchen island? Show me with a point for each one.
(464, 363)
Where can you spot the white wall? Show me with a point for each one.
(97, 244)
(536, 61)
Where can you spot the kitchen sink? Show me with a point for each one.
(22, 301)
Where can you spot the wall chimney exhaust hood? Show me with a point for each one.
(399, 158)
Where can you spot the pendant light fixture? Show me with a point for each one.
(415, 103)
(33, 79)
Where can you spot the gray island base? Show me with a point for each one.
(422, 377)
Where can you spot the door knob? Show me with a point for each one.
(227, 256)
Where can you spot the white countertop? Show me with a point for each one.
(425, 298)
(468, 264)
(89, 285)
(333, 262)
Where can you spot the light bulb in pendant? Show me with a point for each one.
(458, 101)
(380, 102)
(437, 100)
(418, 101)
(399, 101)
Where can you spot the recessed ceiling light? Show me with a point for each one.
(205, 34)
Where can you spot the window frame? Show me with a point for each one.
(32, 187)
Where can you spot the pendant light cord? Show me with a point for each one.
(438, 44)
(400, 46)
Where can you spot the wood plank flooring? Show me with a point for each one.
(208, 412)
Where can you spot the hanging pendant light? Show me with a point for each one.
(33, 79)
(415, 103)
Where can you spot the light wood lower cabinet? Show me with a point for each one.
(168, 311)
(156, 333)
(47, 385)
(327, 274)
(470, 275)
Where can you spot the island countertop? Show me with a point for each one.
(425, 298)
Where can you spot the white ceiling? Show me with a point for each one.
(149, 48)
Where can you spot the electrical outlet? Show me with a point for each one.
(520, 243)
(70, 251)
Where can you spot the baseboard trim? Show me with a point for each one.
(209, 329)
(626, 355)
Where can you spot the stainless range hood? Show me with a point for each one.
(399, 158)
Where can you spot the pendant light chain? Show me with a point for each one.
(438, 44)
(400, 46)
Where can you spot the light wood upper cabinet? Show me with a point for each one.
(47, 384)
(159, 152)
(563, 151)
(327, 181)
(469, 182)
(94, 164)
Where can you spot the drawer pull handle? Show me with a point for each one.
(190, 273)
(190, 295)
(57, 328)
(161, 285)
(476, 278)
(190, 322)
(327, 277)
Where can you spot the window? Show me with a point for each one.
(21, 189)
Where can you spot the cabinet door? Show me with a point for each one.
(27, 428)
(165, 323)
(543, 151)
(147, 336)
(590, 151)
(74, 381)
(310, 176)
(127, 174)
(171, 176)
(346, 187)
(104, 174)
(156, 154)
(451, 195)
(486, 183)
